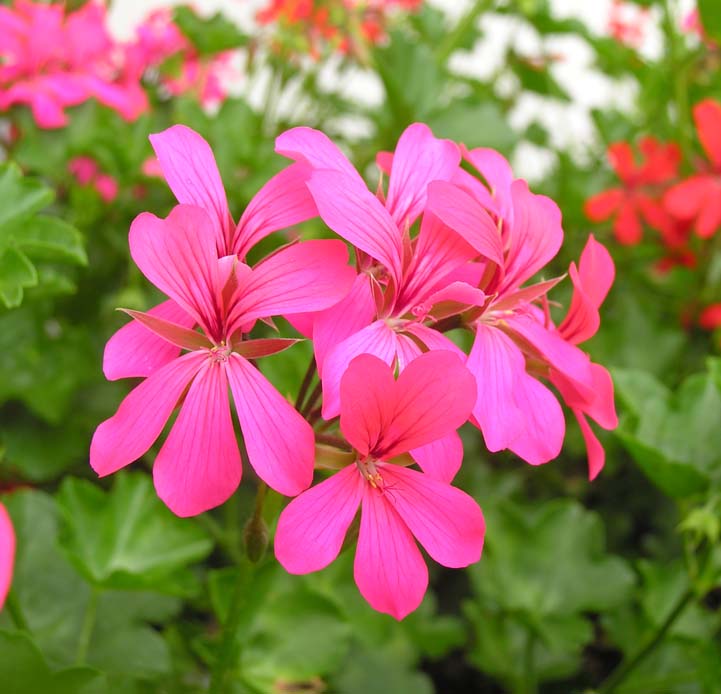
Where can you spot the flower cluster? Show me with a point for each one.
(438, 248)
(627, 23)
(51, 59)
(86, 172)
(315, 27)
(684, 210)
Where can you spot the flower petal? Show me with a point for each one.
(594, 449)
(178, 255)
(707, 116)
(419, 158)
(389, 568)
(311, 529)
(601, 206)
(7, 553)
(445, 520)
(435, 395)
(367, 397)
(281, 203)
(198, 467)
(190, 169)
(135, 351)
(131, 431)
(441, 459)
(280, 443)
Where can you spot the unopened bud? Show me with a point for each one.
(255, 536)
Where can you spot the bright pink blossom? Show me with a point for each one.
(382, 419)
(87, 173)
(515, 341)
(7, 553)
(198, 467)
(50, 59)
(401, 279)
(189, 167)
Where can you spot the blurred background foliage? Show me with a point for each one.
(610, 586)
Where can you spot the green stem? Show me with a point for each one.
(303, 391)
(679, 73)
(626, 667)
(86, 631)
(312, 399)
(450, 43)
(16, 613)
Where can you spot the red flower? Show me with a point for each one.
(637, 199)
(698, 198)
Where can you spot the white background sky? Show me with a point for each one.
(569, 124)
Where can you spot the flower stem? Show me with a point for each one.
(626, 667)
(16, 613)
(86, 631)
(307, 379)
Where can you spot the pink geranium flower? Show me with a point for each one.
(50, 59)
(383, 419)
(515, 341)
(87, 173)
(401, 279)
(7, 553)
(189, 167)
(198, 466)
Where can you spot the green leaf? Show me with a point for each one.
(127, 538)
(19, 196)
(44, 237)
(209, 35)
(710, 13)
(23, 670)
(16, 273)
(475, 125)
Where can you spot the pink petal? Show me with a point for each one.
(497, 364)
(582, 320)
(544, 426)
(419, 159)
(439, 251)
(389, 569)
(307, 276)
(442, 458)
(445, 520)
(535, 236)
(368, 402)
(377, 339)
(707, 117)
(709, 218)
(433, 339)
(7, 554)
(131, 431)
(435, 395)
(198, 467)
(353, 313)
(599, 405)
(498, 174)
(460, 211)
(178, 255)
(135, 351)
(317, 149)
(596, 270)
(594, 449)
(281, 203)
(311, 529)
(280, 443)
(190, 169)
(357, 215)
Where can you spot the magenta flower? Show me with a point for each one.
(401, 279)
(87, 173)
(199, 467)
(7, 553)
(189, 167)
(515, 340)
(50, 59)
(382, 419)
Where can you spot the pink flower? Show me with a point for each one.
(515, 341)
(50, 60)
(198, 466)
(7, 553)
(401, 279)
(87, 172)
(383, 419)
(189, 167)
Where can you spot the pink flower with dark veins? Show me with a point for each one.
(383, 418)
(199, 466)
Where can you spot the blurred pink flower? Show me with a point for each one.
(50, 59)
(87, 172)
(382, 419)
(198, 466)
(7, 553)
